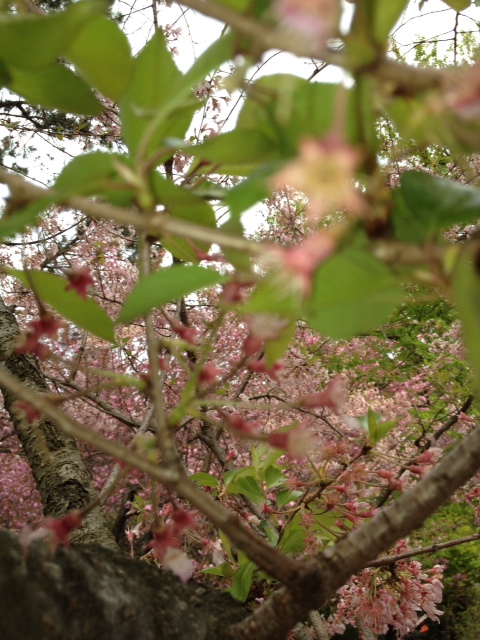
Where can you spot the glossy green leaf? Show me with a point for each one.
(31, 41)
(466, 290)
(101, 54)
(353, 293)
(166, 285)
(425, 205)
(293, 539)
(55, 87)
(154, 75)
(204, 479)
(242, 581)
(85, 313)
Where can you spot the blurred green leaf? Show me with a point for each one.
(166, 285)
(85, 313)
(458, 5)
(19, 220)
(353, 293)
(101, 54)
(55, 87)
(242, 581)
(31, 41)
(466, 290)
(204, 479)
(247, 486)
(386, 17)
(425, 205)
(225, 570)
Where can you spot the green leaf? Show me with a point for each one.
(204, 479)
(30, 41)
(293, 539)
(94, 174)
(240, 150)
(286, 109)
(274, 349)
(183, 204)
(55, 87)
(286, 496)
(154, 77)
(458, 5)
(85, 313)
(273, 477)
(386, 16)
(166, 285)
(425, 204)
(86, 174)
(373, 425)
(247, 486)
(466, 290)
(101, 54)
(19, 220)
(242, 581)
(353, 293)
(225, 570)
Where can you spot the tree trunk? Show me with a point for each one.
(60, 473)
(90, 592)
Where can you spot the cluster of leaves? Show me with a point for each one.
(337, 345)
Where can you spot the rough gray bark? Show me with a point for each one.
(60, 474)
(90, 592)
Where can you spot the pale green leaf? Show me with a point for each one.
(101, 54)
(55, 87)
(166, 285)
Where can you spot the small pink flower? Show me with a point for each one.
(334, 396)
(61, 528)
(183, 520)
(315, 20)
(32, 414)
(252, 345)
(189, 334)
(295, 442)
(303, 260)
(325, 172)
(179, 563)
(259, 366)
(242, 428)
(80, 281)
(209, 373)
